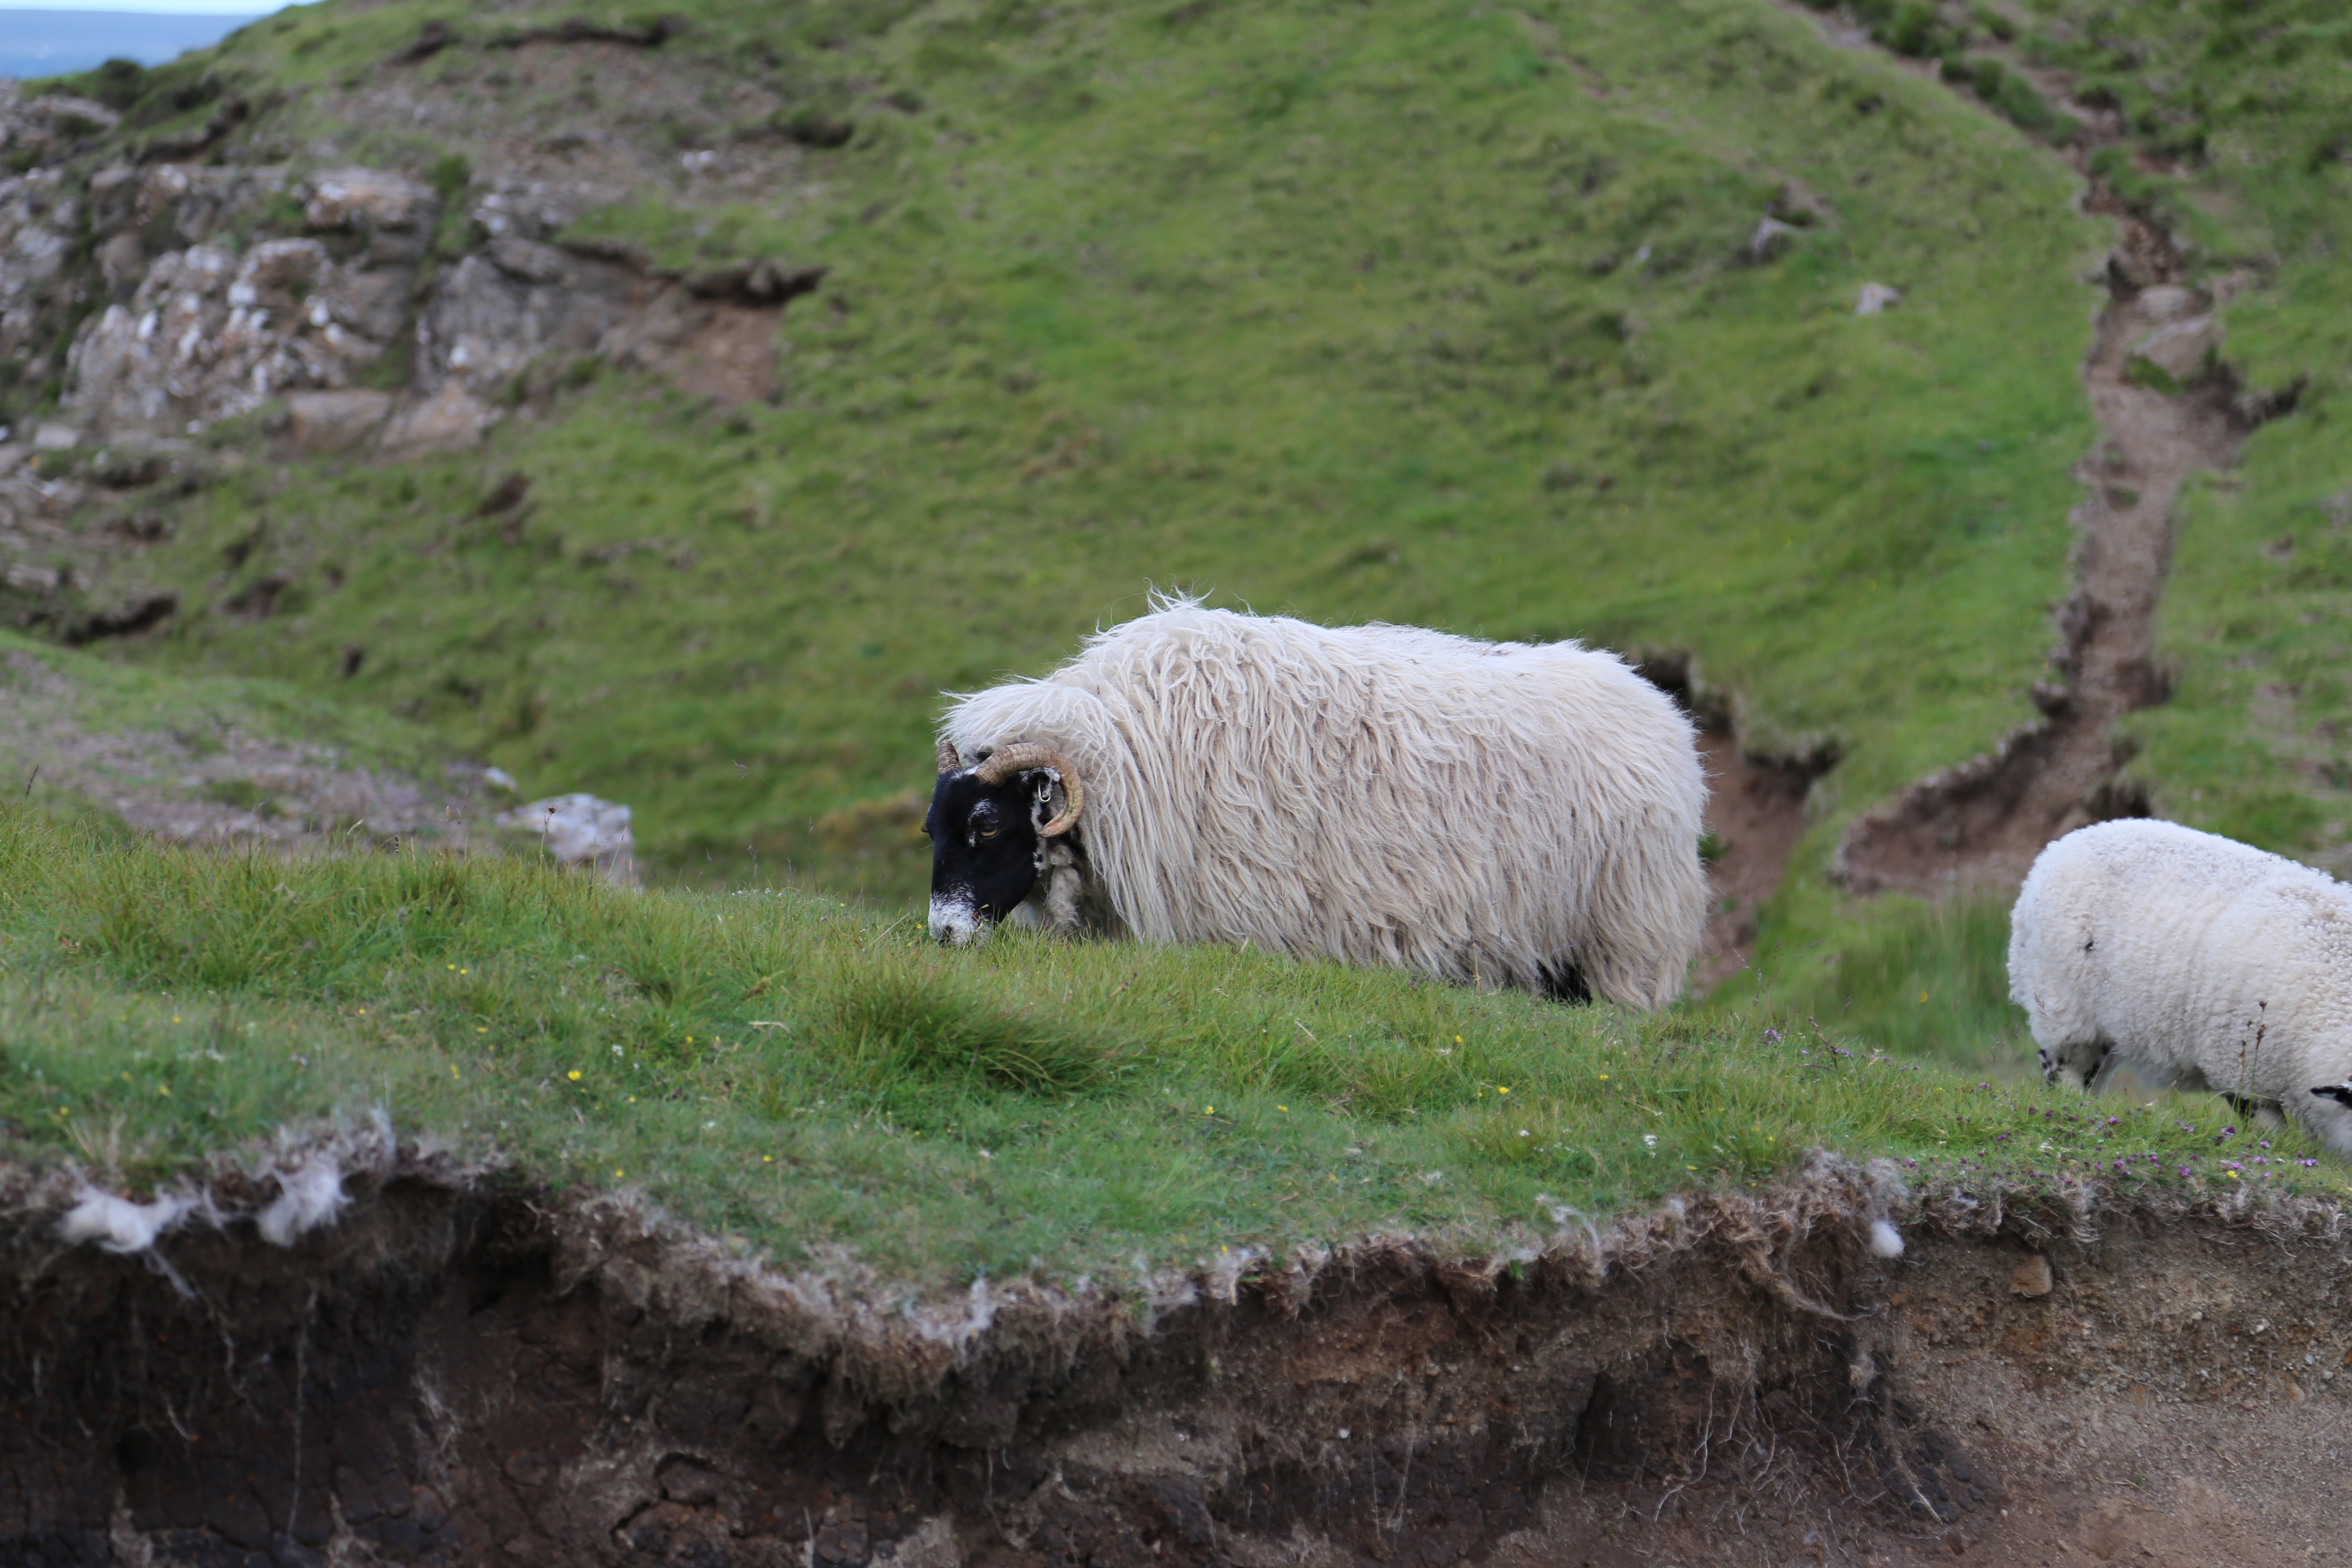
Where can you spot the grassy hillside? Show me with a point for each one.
(813, 1082)
(1430, 313)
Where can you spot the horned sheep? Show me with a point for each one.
(2202, 962)
(1492, 813)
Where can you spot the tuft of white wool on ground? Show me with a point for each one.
(309, 1196)
(2202, 962)
(117, 1225)
(1886, 1241)
(1381, 795)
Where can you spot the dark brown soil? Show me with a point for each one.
(1755, 813)
(454, 1376)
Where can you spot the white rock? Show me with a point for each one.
(1771, 238)
(1877, 299)
(55, 438)
(582, 831)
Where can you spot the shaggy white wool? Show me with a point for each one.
(117, 1225)
(1382, 794)
(309, 1196)
(2199, 960)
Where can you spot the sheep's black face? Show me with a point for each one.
(984, 850)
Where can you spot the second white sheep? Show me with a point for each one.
(2200, 961)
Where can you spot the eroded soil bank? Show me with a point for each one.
(459, 1375)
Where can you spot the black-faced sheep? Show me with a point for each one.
(1496, 813)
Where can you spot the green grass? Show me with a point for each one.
(1347, 313)
(1430, 314)
(819, 1084)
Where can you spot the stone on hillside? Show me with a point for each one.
(2183, 351)
(450, 420)
(1772, 240)
(27, 578)
(55, 438)
(1877, 299)
(582, 831)
(355, 198)
(2170, 302)
(333, 421)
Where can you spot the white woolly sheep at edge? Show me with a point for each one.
(2202, 962)
(1492, 813)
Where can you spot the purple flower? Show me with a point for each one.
(2115, 1121)
(2184, 1170)
(2306, 1161)
(2265, 1143)
(2263, 1159)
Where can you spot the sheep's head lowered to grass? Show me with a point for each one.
(991, 828)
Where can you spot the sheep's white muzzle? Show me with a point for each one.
(957, 922)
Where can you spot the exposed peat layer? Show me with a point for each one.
(463, 1372)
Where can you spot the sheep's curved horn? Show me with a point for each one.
(1006, 761)
(949, 761)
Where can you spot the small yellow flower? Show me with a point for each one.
(452, 1070)
(362, 1012)
(690, 1040)
(1604, 1077)
(1208, 1111)
(1284, 1108)
(164, 1090)
(481, 1030)
(618, 1174)
(1502, 1089)
(574, 1075)
(1457, 1040)
(175, 1017)
(767, 1159)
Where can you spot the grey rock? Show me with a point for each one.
(449, 421)
(2183, 351)
(335, 421)
(2170, 302)
(1772, 240)
(582, 831)
(1876, 299)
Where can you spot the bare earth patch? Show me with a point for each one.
(462, 1374)
(201, 783)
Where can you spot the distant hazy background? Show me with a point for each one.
(63, 36)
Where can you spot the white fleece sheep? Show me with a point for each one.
(2200, 961)
(1497, 813)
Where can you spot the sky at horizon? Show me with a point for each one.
(66, 36)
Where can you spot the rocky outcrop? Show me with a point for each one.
(210, 334)
(210, 314)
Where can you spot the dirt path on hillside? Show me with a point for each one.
(1979, 826)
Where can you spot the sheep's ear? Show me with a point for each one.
(1047, 796)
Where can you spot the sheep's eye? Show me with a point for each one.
(987, 832)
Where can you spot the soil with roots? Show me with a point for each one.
(458, 1373)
